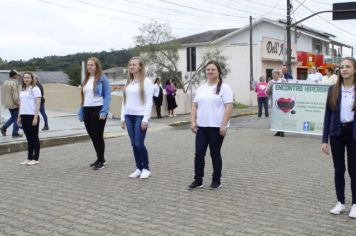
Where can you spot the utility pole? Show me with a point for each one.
(289, 48)
(251, 56)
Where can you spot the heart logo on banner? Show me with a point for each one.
(285, 104)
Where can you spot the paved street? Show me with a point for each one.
(271, 186)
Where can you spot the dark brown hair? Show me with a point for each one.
(98, 74)
(336, 89)
(218, 87)
(33, 82)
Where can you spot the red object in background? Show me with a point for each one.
(302, 57)
(319, 60)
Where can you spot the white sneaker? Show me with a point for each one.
(145, 174)
(353, 211)
(25, 162)
(338, 208)
(33, 162)
(135, 174)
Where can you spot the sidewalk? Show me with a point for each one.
(65, 128)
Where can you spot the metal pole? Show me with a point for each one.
(251, 56)
(289, 48)
(190, 75)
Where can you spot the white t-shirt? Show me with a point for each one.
(347, 102)
(133, 104)
(28, 100)
(156, 90)
(211, 106)
(317, 77)
(89, 99)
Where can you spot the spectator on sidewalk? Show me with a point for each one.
(262, 98)
(330, 78)
(210, 116)
(95, 103)
(158, 96)
(30, 101)
(171, 100)
(340, 129)
(286, 75)
(42, 107)
(276, 79)
(314, 75)
(10, 100)
(135, 114)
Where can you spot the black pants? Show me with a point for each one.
(158, 103)
(338, 144)
(95, 128)
(208, 136)
(262, 101)
(31, 133)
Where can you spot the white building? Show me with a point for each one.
(268, 40)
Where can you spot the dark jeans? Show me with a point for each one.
(12, 120)
(338, 144)
(137, 137)
(44, 115)
(262, 101)
(31, 132)
(208, 136)
(95, 128)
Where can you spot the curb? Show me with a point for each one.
(185, 122)
(48, 142)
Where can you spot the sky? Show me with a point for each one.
(38, 28)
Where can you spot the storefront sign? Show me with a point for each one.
(298, 108)
(272, 49)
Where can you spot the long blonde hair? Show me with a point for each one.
(97, 76)
(130, 77)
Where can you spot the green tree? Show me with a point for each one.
(159, 49)
(74, 73)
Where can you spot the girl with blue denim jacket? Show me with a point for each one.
(340, 129)
(95, 103)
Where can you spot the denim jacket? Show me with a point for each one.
(102, 89)
(332, 123)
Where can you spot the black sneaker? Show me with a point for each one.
(215, 185)
(99, 166)
(281, 134)
(17, 135)
(277, 134)
(45, 128)
(196, 184)
(3, 131)
(94, 163)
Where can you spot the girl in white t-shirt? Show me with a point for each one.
(135, 114)
(211, 112)
(30, 101)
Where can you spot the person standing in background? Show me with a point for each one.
(158, 97)
(330, 78)
(171, 101)
(42, 107)
(286, 75)
(314, 75)
(262, 97)
(10, 100)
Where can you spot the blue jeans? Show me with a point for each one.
(44, 115)
(137, 137)
(12, 120)
(262, 101)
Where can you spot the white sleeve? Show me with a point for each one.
(36, 92)
(148, 86)
(122, 110)
(227, 95)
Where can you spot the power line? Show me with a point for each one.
(272, 9)
(203, 10)
(354, 35)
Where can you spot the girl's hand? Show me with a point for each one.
(325, 148)
(223, 131)
(194, 127)
(144, 125)
(35, 121)
(122, 124)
